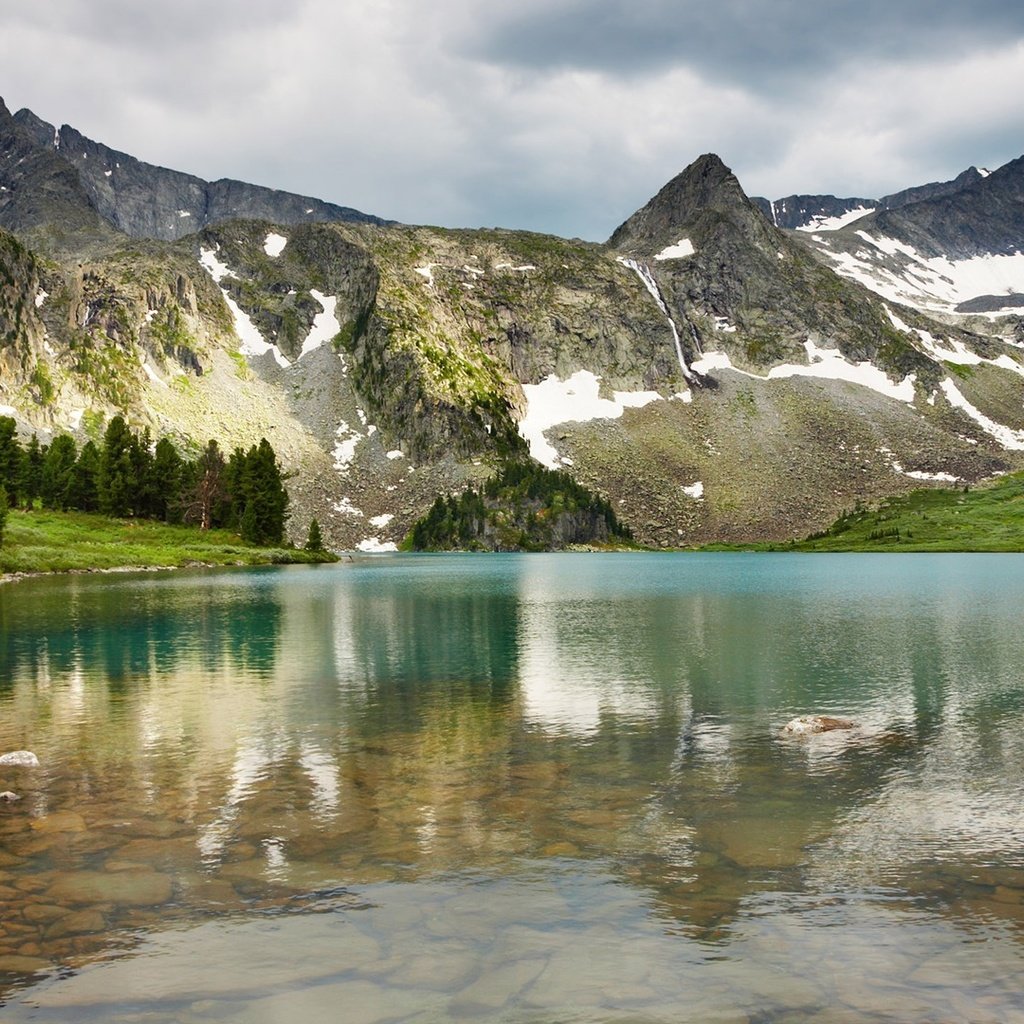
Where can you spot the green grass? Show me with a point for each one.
(989, 517)
(43, 541)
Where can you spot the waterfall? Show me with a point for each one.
(775, 219)
(644, 273)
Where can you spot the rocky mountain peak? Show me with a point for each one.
(696, 204)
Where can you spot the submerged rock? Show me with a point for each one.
(19, 759)
(8, 797)
(807, 724)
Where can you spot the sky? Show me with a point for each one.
(552, 115)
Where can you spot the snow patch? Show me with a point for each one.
(325, 324)
(395, 454)
(822, 223)
(722, 324)
(41, 297)
(508, 266)
(694, 490)
(426, 271)
(273, 244)
(682, 248)
(345, 448)
(8, 410)
(824, 363)
(574, 400)
(1008, 438)
(75, 418)
(346, 508)
(107, 174)
(251, 341)
(374, 546)
(382, 520)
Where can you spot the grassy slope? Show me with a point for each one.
(60, 541)
(985, 518)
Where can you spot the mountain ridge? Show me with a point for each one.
(710, 374)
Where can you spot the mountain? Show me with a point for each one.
(136, 198)
(829, 213)
(712, 375)
(950, 252)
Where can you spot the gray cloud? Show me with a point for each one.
(759, 45)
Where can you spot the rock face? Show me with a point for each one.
(50, 175)
(805, 212)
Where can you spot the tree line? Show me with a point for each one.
(127, 475)
(522, 507)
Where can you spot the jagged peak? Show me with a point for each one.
(706, 185)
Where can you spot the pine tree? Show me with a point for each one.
(11, 458)
(166, 481)
(116, 481)
(266, 500)
(84, 494)
(3, 512)
(32, 472)
(314, 542)
(55, 484)
(144, 494)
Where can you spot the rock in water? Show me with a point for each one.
(806, 724)
(8, 797)
(19, 759)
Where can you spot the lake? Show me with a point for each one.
(516, 788)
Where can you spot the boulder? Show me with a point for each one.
(805, 725)
(19, 759)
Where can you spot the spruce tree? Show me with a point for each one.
(166, 481)
(117, 485)
(32, 472)
(55, 484)
(266, 500)
(314, 542)
(84, 494)
(11, 457)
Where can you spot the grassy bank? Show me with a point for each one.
(43, 541)
(989, 517)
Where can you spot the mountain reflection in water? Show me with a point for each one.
(280, 742)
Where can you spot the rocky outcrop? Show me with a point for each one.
(67, 190)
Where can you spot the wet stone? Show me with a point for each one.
(43, 913)
(61, 821)
(125, 888)
(14, 964)
(81, 922)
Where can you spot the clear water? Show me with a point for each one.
(516, 788)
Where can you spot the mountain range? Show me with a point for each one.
(722, 368)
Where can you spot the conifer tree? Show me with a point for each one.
(3, 512)
(32, 472)
(84, 494)
(55, 484)
(11, 457)
(314, 541)
(116, 481)
(167, 478)
(266, 500)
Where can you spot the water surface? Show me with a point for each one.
(517, 788)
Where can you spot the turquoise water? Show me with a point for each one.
(517, 788)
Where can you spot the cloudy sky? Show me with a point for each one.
(554, 115)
